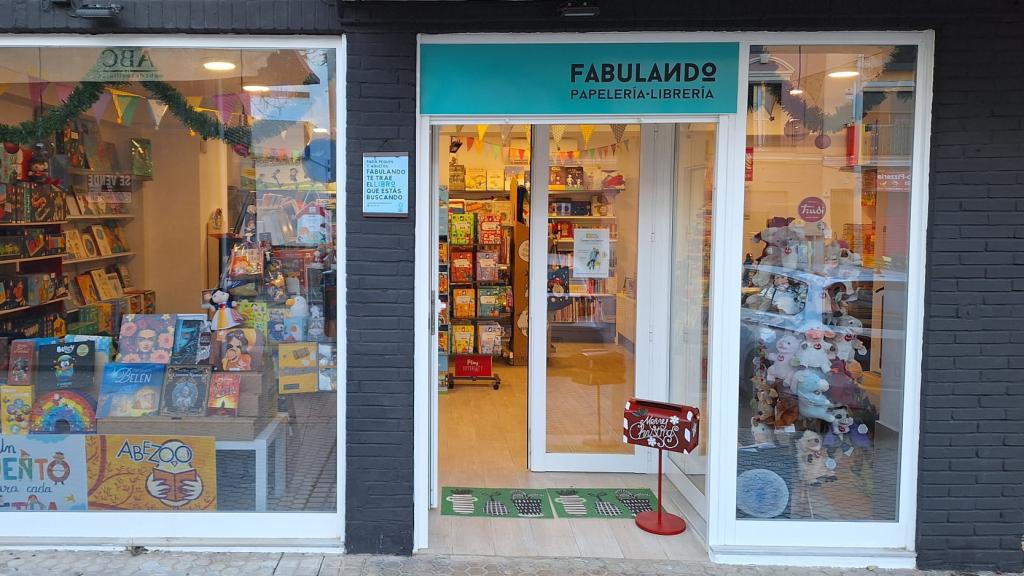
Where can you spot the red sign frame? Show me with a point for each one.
(473, 366)
(672, 427)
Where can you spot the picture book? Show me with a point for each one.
(478, 207)
(70, 365)
(125, 275)
(456, 177)
(443, 313)
(12, 247)
(574, 177)
(146, 338)
(556, 178)
(73, 240)
(476, 180)
(489, 338)
(461, 267)
(239, 349)
(62, 412)
(106, 157)
(15, 409)
(298, 370)
(74, 147)
(328, 368)
(443, 344)
(114, 281)
(503, 210)
(495, 180)
(601, 205)
(103, 288)
(130, 390)
(442, 282)
(185, 391)
(142, 157)
(118, 238)
(225, 389)
(442, 252)
(99, 232)
(463, 336)
(489, 229)
(87, 288)
(464, 300)
(494, 301)
(256, 314)
(71, 202)
(89, 245)
(461, 229)
(192, 339)
(35, 241)
(487, 265)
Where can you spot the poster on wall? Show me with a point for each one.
(386, 184)
(166, 473)
(42, 473)
(591, 252)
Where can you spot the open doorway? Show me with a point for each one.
(549, 282)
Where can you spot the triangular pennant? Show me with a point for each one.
(225, 104)
(36, 87)
(571, 154)
(121, 103)
(193, 101)
(586, 130)
(521, 152)
(469, 143)
(481, 130)
(64, 92)
(158, 109)
(100, 107)
(618, 130)
(557, 131)
(506, 134)
(458, 129)
(128, 111)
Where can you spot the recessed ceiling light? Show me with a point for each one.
(843, 74)
(219, 66)
(321, 130)
(255, 88)
(796, 92)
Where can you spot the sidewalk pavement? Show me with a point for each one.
(159, 563)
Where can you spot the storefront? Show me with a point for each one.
(171, 304)
(665, 189)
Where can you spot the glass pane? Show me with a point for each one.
(830, 134)
(169, 298)
(592, 263)
(691, 278)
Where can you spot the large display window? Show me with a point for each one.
(169, 297)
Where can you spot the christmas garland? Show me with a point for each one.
(86, 94)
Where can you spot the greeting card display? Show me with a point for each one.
(130, 390)
(462, 267)
(461, 229)
(465, 302)
(66, 366)
(186, 391)
(146, 338)
(225, 389)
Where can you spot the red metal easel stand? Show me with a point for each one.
(660, 522)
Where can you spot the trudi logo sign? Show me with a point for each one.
(668, 80)
(123, 64)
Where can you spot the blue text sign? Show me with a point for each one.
(386, 184)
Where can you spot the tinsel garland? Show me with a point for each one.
(86, 94)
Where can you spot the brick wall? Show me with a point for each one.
(381, 118)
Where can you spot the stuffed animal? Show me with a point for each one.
(811, 395)
(782, 361)
(224, 314)
(845, 434)
(785, 297)
(765, 395)
(787, 410)
(812, 460)
(815, 352)
(781, 250)
(762, 432)
(847, 344)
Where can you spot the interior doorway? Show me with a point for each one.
(561, 251)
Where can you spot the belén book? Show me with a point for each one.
(130, 390)
(185, 391)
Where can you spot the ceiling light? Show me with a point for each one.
(843, 74)
(219, 66)
(796, 92)
(321, 130)
(255, 88)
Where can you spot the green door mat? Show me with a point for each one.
(496, 502)
(623, 503)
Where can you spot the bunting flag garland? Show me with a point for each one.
(225, 105)
(158, 109)
(586, 130)
(64, 92)
(99, 108)
(36, 88)
(469, 143)
(481, 130)
(128, 111)
(121, 102)
(618, 130)
(557, 131)
(458, 129)
(506, 134)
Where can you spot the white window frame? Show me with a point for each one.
(886, 544)
(223, 530)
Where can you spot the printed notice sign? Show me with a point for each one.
(386, 184)
(591, 252)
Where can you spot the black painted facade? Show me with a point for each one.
(971, 481)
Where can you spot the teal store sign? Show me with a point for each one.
(570, 79)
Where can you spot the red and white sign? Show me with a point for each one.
(748, 165)
(672, 427)
(811, 209)
(893, 180)
(469, 366)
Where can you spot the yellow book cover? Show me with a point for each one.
(17, 405)
(297, 364)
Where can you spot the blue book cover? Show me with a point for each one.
(131, 390)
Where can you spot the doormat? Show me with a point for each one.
(496, 502)
(623, 503)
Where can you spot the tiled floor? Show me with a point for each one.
(482, 443)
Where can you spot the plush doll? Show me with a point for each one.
(762, 432)
(781, 240)
(812, 460)
(785, 297)
(840, 295)
(847, 344)
(782, 361)
(811, 395)
(845, 434)
(224, 314)
(815, 352)
(765, 396)
(787, 410)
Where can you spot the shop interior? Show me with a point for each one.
(186, 207)
(593, 212)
